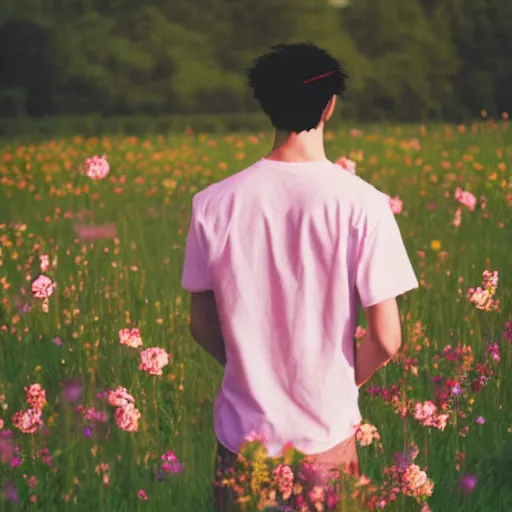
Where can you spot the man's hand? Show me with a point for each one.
(205, 326)
(381, 342)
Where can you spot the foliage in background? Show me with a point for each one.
(414, 60)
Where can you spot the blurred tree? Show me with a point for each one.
(482, 33)
(412, 66)
(406, 60)
(28, 75)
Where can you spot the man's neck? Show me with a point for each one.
(299, 147)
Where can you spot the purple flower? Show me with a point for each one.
(71, 390)
(374, 390)
(15, 462)
(332, 497)
(456, 390)
(494, 350)
(480, 420)
(171, 463)
(402, 460)
(25, 308)
(508, 331)
(11, 493)
(172, 467)
(468, 483)
(88, 432)
(6, 449)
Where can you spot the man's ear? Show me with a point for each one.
(329, 109)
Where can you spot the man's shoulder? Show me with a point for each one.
(364, 194)
(224, 186)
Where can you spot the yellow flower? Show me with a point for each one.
(435, 245)
(169, 184)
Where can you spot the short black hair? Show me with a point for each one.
(281, 82)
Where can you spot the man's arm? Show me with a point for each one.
(205, 326)
(381, 341)
(384, 272)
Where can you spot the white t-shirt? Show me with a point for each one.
(291, 252)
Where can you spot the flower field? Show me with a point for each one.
(106, 402)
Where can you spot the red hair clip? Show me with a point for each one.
(319, 77)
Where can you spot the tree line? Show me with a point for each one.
(407, 60)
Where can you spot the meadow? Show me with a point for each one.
(74, 443)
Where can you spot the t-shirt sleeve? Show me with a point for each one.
(384, 270)
(196, 274)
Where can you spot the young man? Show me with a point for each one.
(279, 259)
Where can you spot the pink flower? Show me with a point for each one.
(142, 495)
(42, 287)
(120, 397)
(127, 418)
(424, 411)
(396, 204)
(171, 463)
(97, 167)
(494, 350)
(482, 298)
(254, 437)
(366, 433)
(490, 280)
(346, 164)
(35, 396)
(457, 219)
(416, 482)
(130, 337)
(415, 144)
(283, 475)
(28, 421)
(360, 332)
(466, 198)
(45, 456)
(44, 262)
(441, 420)
(317, 494)
(96, 232)
(478, 296)
(356, 133)
(91, 414)
(152, 360)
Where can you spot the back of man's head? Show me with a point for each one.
(294, 83)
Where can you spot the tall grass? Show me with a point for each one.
(134, 281)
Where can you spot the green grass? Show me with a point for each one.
(107, 285)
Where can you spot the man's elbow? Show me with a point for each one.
(392, 345)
